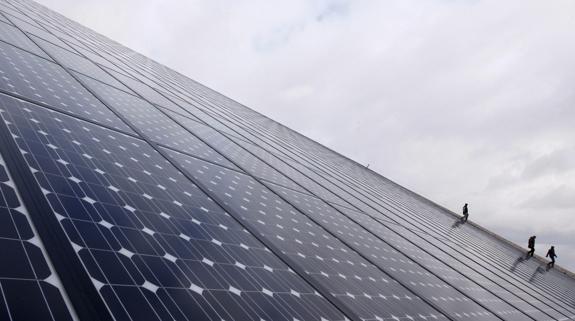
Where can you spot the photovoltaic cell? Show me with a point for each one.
(26, 278)
(155, 246)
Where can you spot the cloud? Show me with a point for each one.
(461, 101)
(557, 198)
(555, 162)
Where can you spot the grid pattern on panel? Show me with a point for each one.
(359, 284)
(199, 127)
(14, 36)
(147, 118)
(442, 264)
(26, 278)
(29, 27)
(76, 62)
(155, 246)
(235, 153)
(40, 80)
(290, 172)
(401, 266)
(7, 9)
(147, 93)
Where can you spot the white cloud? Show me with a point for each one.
(461, 101)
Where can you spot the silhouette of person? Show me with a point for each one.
(551, 254)
(531, 246)
(465, 213)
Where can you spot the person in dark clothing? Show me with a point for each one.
(531, 246)
(465, 213)
(551, 254)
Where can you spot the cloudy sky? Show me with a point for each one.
(459, 100)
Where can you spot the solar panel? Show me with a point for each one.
(29, 288)
(153, 244)
(40, 80)
(362, 286)
(153, 122)
(131, 192)
(14, 36)
(75, 62)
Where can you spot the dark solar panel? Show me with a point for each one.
(154, 245)
(362, 286)
(145, 195)
(29, 289)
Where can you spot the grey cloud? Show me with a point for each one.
(555, 162)
(562, 197)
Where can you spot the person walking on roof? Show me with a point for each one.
(551, 254)
(531, 246)
(465, 213)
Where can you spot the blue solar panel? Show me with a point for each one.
(29, 287)
(154, 245)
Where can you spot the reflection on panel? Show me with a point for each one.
(36, 30)
(78, 63)
(147, 93)
(39, 80)
(17, 38)
(3, 19)
(154, 123)
(359, 284)
(24, 269)
(235, 153)
(155, 246)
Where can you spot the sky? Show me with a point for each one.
(458, 100)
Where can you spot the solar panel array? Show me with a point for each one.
(130, 192)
